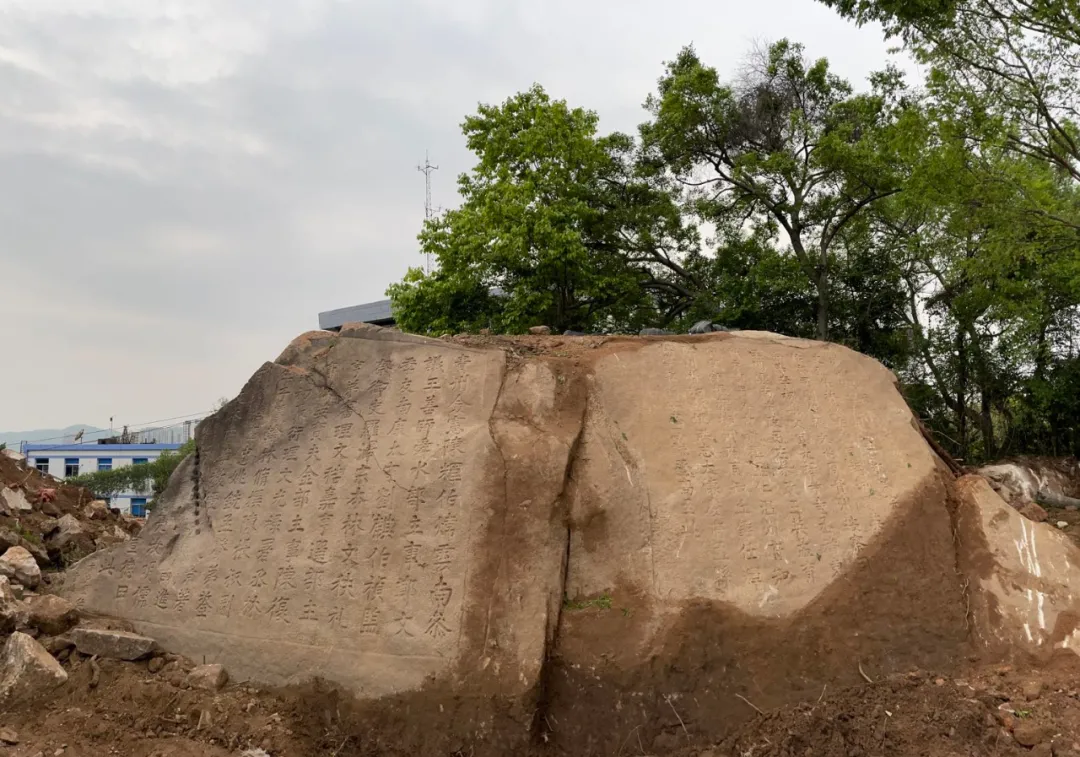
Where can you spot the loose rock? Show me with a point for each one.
(114, 645)
(207, 677)
(1062, 524)
(1030, 734)
(15, 500)
(20, 565)
(27, 670)
(68, 527)
(1034, 512)
(52, 615)
(8, 736)
(96, 510)
(155, 665)
(55, 645)
(540, 330)
(1032, 690)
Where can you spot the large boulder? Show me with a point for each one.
(18, 564)
(500, 540)
(1022, 576)
(27, 671)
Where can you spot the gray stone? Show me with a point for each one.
(12, 612)
(18, 564)
(96, 510)
(27, 670)
(115, 645)
(571, 332)
(52, 615)
(68, 527)
(207, 677)
(702, 327)
(654, 332)
(15, 500)
(56, 644)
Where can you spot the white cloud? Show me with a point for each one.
(189, 182)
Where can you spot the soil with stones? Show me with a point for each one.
(1001, 710)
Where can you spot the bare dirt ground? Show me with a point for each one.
(996, 710)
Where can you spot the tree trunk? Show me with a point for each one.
(987, 420)
(823, 305)
(961, 394)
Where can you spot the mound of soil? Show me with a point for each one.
(1000, 711)
(51, 499)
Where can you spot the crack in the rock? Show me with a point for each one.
(326, 386)
(506, 491)
(551, 637)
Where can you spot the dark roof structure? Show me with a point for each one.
(376, 313)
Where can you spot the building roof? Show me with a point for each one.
(98, 450)
(376, 313)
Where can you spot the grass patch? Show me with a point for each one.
(31, 536)
(603, 602)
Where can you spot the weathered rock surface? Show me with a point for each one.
(19, 565)
(27, 670)
(68, 528)
(96, 510)
(12, 613)
(207, 677)
(1022, 575)
(115, 645)
(15, 501)
(52, 615)
(405, 517)
(1033, 512)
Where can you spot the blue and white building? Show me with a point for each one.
(72, 459)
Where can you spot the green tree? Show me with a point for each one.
(1019, 57)
(786, 143)
(554, 228)
(151, 477)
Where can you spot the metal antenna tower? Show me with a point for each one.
(426, 169)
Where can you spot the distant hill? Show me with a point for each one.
(56, 435)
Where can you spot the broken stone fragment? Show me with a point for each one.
(68, 527)
(96, 510)
(55, 645)
(540, 330)
(12, 612)
(207, 677)
(1034, 512)
(52, 615)
(8, 737)
(114, 645)
(27, 670)
(15, 500)
(18, 564)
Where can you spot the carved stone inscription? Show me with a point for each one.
(338, 518)
(754, 476)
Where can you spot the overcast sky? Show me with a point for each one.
(187, 183)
